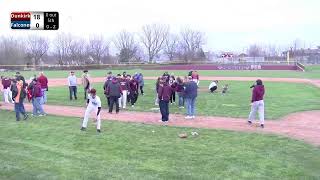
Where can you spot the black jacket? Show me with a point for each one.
(106, 84)
(14, 90)
(191, 90)
(114, 89)
(20, 77)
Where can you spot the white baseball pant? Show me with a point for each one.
(156, 102)
(90, 109)
(123, 99)
(7, 95)
(257, 106)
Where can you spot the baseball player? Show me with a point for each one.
(93, 104)
(195, 77)
(7, 94)
(257, 103)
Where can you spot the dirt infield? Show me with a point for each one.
(63, 82)
(303, 125)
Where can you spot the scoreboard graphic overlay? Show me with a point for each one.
(35, 20)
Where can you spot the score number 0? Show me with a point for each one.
(37, 20)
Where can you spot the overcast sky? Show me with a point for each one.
(230, 25)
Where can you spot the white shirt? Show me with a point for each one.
(213, 84)
(72, 80)
(94, 102)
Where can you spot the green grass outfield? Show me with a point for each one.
(313, 72)
(280, 99)
(54, 148)
(313, 68)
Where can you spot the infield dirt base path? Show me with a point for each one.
(63, 82)
(303, 125)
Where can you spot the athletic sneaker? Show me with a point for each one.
(25, 117)
(188, 117)
(193, 117)
(181, 107)
(83, 128)
(132, 106)
(164, 123)
(262, 125)
(98, 130)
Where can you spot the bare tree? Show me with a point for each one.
(12, 51)
(271, 51)
(297, 44)
(171, 46)
(153, 38)
(191, 42)
(37, 48)
(255, 50)
(139, 54)
(126, 45)
(98, 48)
(78, 51)
(62, 48)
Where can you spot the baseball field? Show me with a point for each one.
(134, 145)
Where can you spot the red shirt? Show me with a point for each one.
(134, 85)
(164, 92)
(37, 90)
(124, 84)
(257, 93)
(6, 83)
(43, 81)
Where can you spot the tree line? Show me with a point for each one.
(154, 41)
